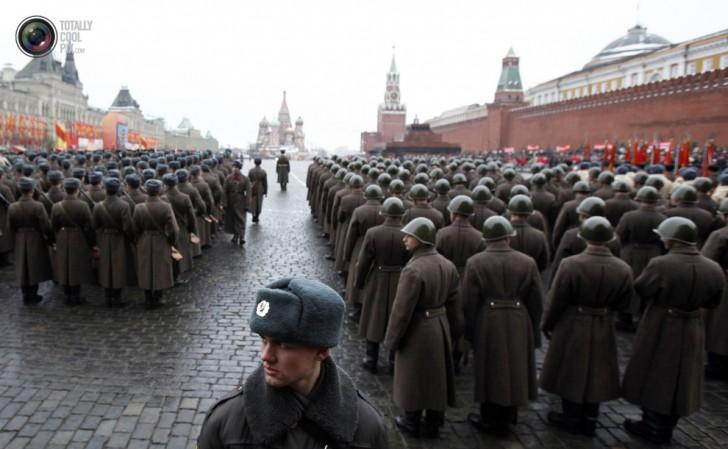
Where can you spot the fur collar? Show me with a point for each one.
(271, 412)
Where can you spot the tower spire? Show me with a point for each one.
(393, 65)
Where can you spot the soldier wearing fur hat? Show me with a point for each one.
(72, 224)
(502, 316)
(114, 237)
(28, 222)
(665, 373)
(581, 363)
(298, 397)
(156, 232)
(236, 203)
(426, 317)
(259, 180)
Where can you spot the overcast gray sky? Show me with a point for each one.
(224, 64)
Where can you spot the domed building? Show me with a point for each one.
(638, 57)
(279, 133)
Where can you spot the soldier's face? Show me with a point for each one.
(289, 364)
(410, 243)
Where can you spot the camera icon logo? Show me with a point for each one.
(36, 36)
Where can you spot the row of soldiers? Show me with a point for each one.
(120, 219)
(458, 255)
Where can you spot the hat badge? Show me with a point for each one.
(262, 309)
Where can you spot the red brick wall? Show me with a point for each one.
(693, 106)
(391, 126)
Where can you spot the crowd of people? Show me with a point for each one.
(450, 261)
(122, 219)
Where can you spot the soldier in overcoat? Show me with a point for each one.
(581, 363)
(184, 214)
(665, 373)
(425, 318)
(156, 232)
(502, 317)
(716, 338)
(29, 224)
(345, 211)
(259, 181)
(114, 238)
(283, 168)
(236, 203)
(75, 239)
(528, 240)
(381, 259)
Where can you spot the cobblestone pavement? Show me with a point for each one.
(91, 377)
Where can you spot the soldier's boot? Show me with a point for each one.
(409, 423)
(30, 294)
(372, 355)
(68, 293)
(116, 300)
(234, 241)
(433, 420)
(493, 419)
(653, 427)
(77, 298)
(390, 367)
(109, 296)
(158, 302)
(570, 418)
(589, 419)
(149, 299)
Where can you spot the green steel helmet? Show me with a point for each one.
(679, 229)
(703, 185)
(509, 174)
(723, 209)
(482, 169)
(685, 194)
(461, 204)
(459, 178)
(404, 174)
(347, 178)
(356, 181)
(606, 177)
(488, 182)
(341, 174)
(373, 192)
(436, 173)
(640, 178)
(365, 169)
(421, 168)
(581, 187)
(596, 229)
(655, 181)
(594, 172)
(647, 194)
(539, 179)
(621, 187)
(422, 229)
(481, 195)
(518, 190)
(422, 178)
(384, 180)
(442, 186)
(373, 174)
(535, 168)
(572, 178)
(396, 186)
(392, 170)
(419, 192)
(520, 204)
(497, 228)
(592, 207)
(335, 168)
(392, 207)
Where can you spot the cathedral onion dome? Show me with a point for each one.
(299, 121)
(264, 123)
(637, 41)
(274, 123)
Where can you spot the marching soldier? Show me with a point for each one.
(114, 235)
(259, 180)
(184, 215)
(442, 199)
(685, 201)
(6, 239)
(619, 204)
(55, 191)
(283, 167)
(527, 239)
(156, 232)
(236, 203)
(28, 221)
(482, 198)
(96, 190)
(581, 363)
(364, 217)
(217, 195)
(716, 248)
(381, 259)
(567, 217)
(72, 223)
(421, 208)
(201, 213)
(205, 227)
(134, 195)
(665, 373)
(348, 204)
(425, 318)
(502, 317)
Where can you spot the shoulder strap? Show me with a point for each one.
(105, 211)
(151, 217)
(67, 215)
